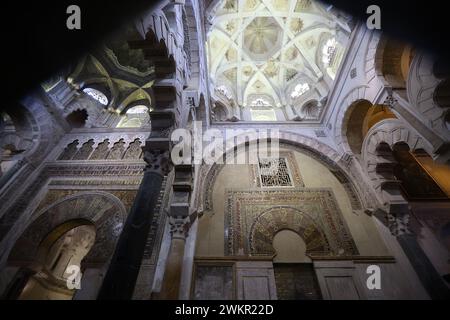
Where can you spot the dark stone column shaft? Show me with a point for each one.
(123, 271)
(430, 278)
(18, 284)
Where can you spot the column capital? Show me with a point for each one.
(390, 101)
(157, 151)
(398, 223)
(158, 161)
(179, 227)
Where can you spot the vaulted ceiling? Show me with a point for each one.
(274, 52)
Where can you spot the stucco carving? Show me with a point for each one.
(104, 210)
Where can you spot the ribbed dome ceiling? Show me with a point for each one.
(262, 35)
(267, 48)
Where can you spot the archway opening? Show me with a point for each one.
(396, 58)
(135, 117)
(256, 215)
(220, 112)
(376, 114)
(77, 119)
(311, 109)
(363, 116)
(289, 247)
(17, 136)
(294, 273)
(354, 130)
(418, 177)
(56, 269)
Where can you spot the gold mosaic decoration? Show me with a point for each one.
(254, 216)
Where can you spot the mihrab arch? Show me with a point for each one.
(274, 220)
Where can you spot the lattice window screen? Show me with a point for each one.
(274, 172)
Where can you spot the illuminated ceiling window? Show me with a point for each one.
(332, 54)
(328, 51)
(263, 115)
(225, 92)
(261, 109)
(97, 95)
(299, 90)
(267, 48)
(260, 102)
(138, 110)
(135, 117)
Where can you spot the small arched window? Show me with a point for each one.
(141, 109)
(299, 90)
(332, 54)
(135, 117)
(97, 95)
(328, 51)
(261, 109)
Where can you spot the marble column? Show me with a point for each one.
(179, 227)
(427, 273)
(398, 220)
(180, 221)
(121, 276)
